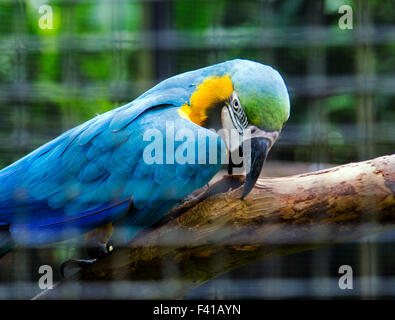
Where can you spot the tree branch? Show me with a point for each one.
(217, 232)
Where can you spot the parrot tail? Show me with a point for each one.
(6, 242)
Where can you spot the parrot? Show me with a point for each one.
(129, 166)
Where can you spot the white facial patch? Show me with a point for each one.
(230, 134)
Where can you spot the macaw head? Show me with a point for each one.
(253, 102)
(258, 108)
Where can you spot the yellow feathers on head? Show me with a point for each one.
(209, 93)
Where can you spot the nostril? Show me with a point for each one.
(253, 129)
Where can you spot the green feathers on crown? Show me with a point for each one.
(262, 93)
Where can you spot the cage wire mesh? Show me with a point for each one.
(101, 54)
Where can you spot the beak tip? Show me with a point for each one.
(246, 191)
(259, 150)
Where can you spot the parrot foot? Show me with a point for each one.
(72, 266)
(96, 251)
(98, 245)
(98, 241)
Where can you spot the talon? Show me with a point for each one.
(97, 250)
(98, 245)
(74, 264)
(109, 246)
(98, 241)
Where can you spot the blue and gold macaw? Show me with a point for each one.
(97, 173)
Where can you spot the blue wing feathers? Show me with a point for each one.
(174, 96)
(56, 230)
(100, 124)
(165, 173)
(89, 175)
(142, 190)
(184, 172)
(91, 172)
(58, 200)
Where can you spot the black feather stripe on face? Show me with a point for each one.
(237, 114)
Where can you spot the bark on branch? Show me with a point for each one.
(217, 232)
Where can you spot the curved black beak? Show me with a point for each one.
(259, 149)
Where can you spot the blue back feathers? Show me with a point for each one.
(93, 173)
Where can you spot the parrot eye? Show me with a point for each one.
(236, 104)
(238, 115)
